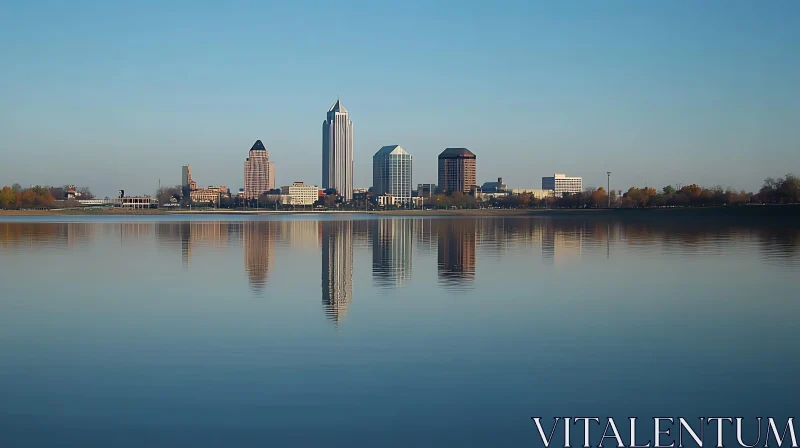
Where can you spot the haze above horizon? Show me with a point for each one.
(118, 96)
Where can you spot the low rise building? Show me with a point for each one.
(209, 195)
(536, 193)
(391, 200)
(426, 190)
(495, 187)
(72, 193)
(272, 198)
(385, 200)
(475, 191)
(94, 202)
(299, 193)
(561, 184)
(488, 196)
(136, 202)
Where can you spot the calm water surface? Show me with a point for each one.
(296, 331)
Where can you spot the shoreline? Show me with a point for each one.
(737, 211)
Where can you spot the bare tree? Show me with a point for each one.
(166, 194)
(86, 193)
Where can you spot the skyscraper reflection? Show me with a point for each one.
(391, 251)
(456, 252)
(337, 267)
(258, 238)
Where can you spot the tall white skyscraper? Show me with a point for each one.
(391, 173)
(337, 151)
(259, 172)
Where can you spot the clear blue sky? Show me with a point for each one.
(119, 94)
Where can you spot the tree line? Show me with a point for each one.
(783, 190)
(16, 197)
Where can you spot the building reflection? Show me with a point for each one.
(301, 234)
(391, 251)
(258, 239)
(337, 267)
(395, 242)
(361, 233)
(425, 233)
(561, 242)
(193, 234)
(134, 232)
(456, 252)
(46, 235)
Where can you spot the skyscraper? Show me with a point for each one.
(259, 172)
(456, 170)
(337, 151)
(186, 178)
(391, 173)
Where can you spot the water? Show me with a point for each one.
(296, 331)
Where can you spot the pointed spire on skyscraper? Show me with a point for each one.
(337, 107)
(258, 146)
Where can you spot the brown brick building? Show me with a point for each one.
(456, 170)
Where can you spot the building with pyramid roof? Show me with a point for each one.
(259, 172)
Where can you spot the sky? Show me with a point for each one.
(120, 95)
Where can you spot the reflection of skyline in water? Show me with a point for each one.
(162, 317)
(558, 241)
(391, 251)
(456, 252)
(195, 234)
(560, 244)
(337, 267)
(258, 238)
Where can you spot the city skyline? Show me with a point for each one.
(692, 98)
